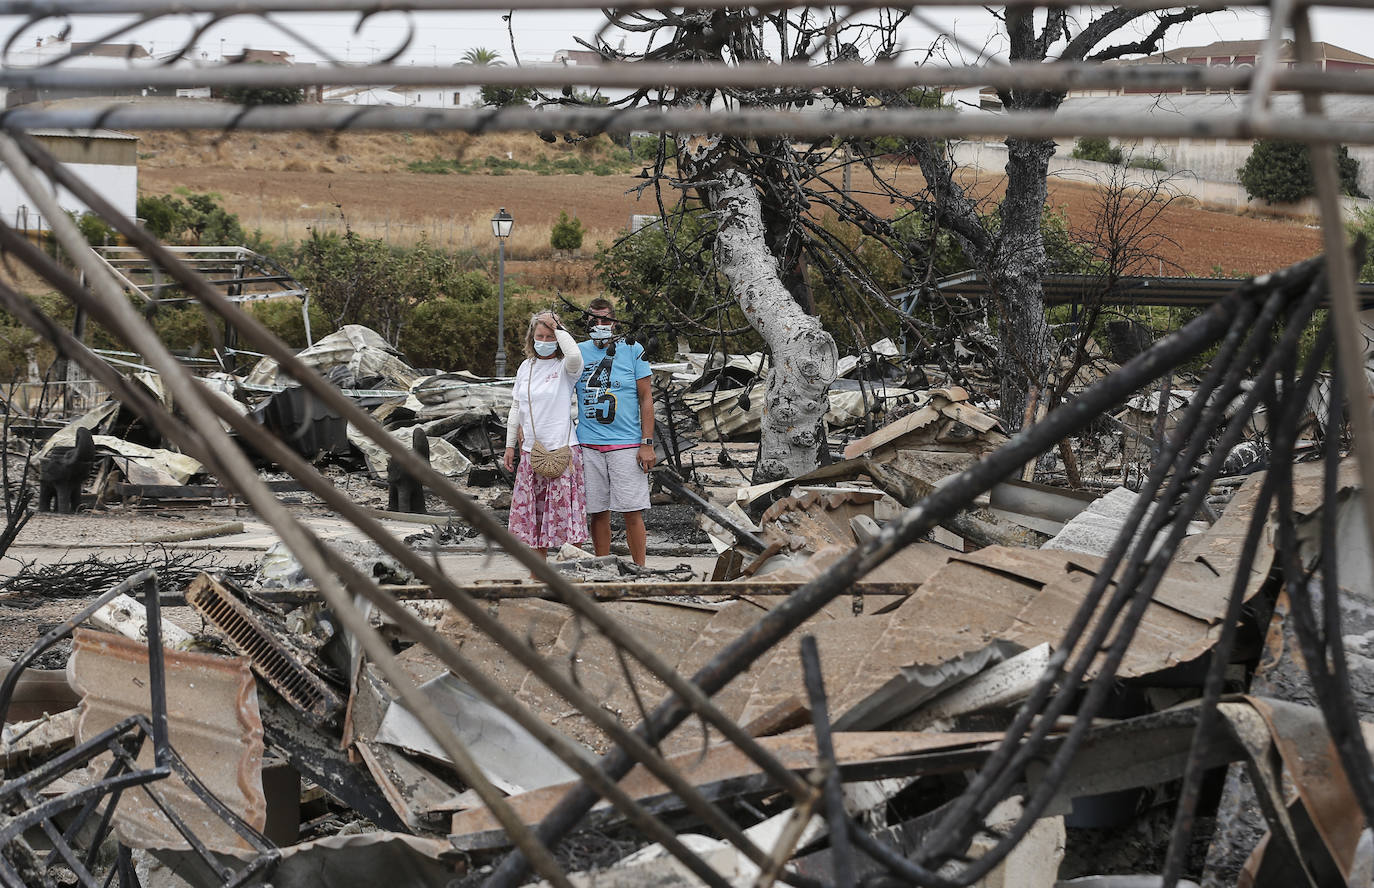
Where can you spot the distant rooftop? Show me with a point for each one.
(1233, 48)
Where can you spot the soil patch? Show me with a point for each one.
(288, 184)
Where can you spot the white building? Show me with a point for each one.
(104, 159)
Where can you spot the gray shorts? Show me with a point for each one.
(615, 482)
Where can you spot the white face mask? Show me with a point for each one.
(545, 349)
(602, 332)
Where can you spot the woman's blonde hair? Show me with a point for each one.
(529, 332)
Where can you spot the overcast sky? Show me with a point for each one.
(441, 38)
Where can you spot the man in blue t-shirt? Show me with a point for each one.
(615, 426)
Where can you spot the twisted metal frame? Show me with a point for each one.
(1244, 327)
(25, 809)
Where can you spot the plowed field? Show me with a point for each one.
(306, 182)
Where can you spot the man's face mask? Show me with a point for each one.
(544, 349)
(602, 332)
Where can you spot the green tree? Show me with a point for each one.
(210, 223)
(264, 95)
(482, 57)
(95, 230)
(162, 214)
(506, 96)
(665, 273)
(1097, 148)
(360, 280)
(566, 233)
(199, 219)
(1281, 172)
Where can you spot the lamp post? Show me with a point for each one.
(501, 224)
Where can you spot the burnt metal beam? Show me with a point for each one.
(673, 482)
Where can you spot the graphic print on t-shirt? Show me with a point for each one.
(605, 380)
(599, 404)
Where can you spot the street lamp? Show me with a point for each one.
(501, 224)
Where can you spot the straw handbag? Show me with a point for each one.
(545, 462)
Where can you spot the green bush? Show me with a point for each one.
(452, 334)
(1149, 162)
(646, 147)
(95, 230)
(283, 317)
(184, 328)
(361, 280)
(15, 342)
(1096, 148)
(1363, 223)
(437, 165)
(199, 219)
(566, 233)
(1281, 172)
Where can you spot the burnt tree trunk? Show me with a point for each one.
(803, 354)
(1016, 274)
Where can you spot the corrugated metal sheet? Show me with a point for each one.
(213, 723)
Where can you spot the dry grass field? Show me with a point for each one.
(286, 184)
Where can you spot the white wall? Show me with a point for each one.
(992, 157)
(1218, 159)
(117, 183)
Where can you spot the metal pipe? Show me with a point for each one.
(501, 309)
(226, 8)
(701, 75)
(871, 123)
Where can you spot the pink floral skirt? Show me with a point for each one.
(548, 512)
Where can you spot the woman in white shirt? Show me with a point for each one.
(546, 512)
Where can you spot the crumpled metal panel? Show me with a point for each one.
(213, 723)
(725, 765)
(362, 350)
(350, 861)
(304, 423)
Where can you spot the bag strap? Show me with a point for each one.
(529, 393)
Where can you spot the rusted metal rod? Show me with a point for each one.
(749, 122)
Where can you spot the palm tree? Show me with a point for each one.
(482, 57)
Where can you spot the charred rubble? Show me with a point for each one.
(931, 660)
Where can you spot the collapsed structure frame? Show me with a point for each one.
(1277, 302)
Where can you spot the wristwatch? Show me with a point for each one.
(648, 441)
